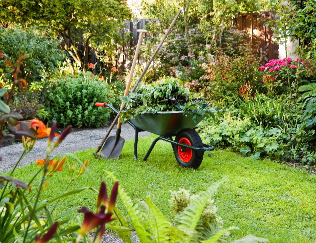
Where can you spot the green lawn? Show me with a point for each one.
(261, 197)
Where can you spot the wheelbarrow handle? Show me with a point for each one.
(100, 104)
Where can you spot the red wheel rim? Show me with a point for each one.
(185, 154)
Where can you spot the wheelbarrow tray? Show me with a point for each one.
(165, 123)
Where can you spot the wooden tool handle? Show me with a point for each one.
(128, 84)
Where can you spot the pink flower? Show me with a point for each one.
(262, 68)
(187, 85)
(171, 73)
(191, 55)
(195, 83)
(277, 68)
(288, 60)
(292, 66)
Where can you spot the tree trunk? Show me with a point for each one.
(186, 21)
(86, 54)
(71, 49)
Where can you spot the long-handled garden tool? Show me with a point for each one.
(113, 146)
(138, 81)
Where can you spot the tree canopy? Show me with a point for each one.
(84, 21)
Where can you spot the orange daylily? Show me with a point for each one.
(91, 65)
(54, 165)
(22, 83)
(41, 129)
(83, 169)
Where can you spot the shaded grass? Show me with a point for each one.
(261, 197)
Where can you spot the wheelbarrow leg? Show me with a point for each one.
(136, 142)
(151, 148)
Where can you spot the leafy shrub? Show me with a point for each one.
(234, 42)
(27, 104)
(270, 112)
(44, 53)
(70, 101)
(243, 133)
(231, 79)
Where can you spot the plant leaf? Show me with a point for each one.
(3, 107)
(161, 226)
(189, 218)
(3, 91)
(134, 213)
(17, 183)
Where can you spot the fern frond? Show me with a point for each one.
(134, 213)
(189, 218)
(160, 226)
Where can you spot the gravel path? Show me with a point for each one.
(75, 141)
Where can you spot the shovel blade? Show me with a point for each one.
(112, 148)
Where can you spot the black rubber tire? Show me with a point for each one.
(195, 158)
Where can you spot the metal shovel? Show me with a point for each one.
(113, 146)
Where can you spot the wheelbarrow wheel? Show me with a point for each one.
(188, 157)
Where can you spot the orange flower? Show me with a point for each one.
(83, 169)
(114, 69)
(53, 165)
(91, 65)
(41, 129)
(22, 83)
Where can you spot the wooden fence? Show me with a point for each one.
(260, 34)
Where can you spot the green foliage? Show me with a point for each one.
(82, 21)
(22, 215)
(268, 112)
(244, 201)
(27, 104)
(309, 111)
(44, 54)
(167, 95)
(70, 101)
(229, 80)
(262, 127)
(196, 222)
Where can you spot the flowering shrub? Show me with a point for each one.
(230, 79)
(280, 76)
(19, 206)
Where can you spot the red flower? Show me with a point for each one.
(91, 220)
(49, 235)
